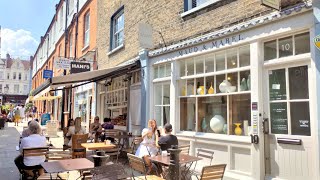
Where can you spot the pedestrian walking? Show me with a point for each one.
(22, 113)
(16, 114)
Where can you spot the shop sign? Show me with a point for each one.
(78, 67)
(211, 45)
(275, 4)
(316, 41)
(47, 74)
(62, 63)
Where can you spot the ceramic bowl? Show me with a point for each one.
(232, 88)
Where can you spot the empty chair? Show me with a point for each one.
(184, 148)
(77, 150)
(213, 172)
(114, 152)
(205, 154)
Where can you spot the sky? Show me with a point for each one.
(22, 23)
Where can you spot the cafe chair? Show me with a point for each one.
(213, 172)
(58, 154)
(109, 134)
(204, 154)
(77, 150)
(37, 169)
(114, 153)
(134, 145)
(184, 148)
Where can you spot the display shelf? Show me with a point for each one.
(217, 94)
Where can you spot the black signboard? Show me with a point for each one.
(279, 119)
(78, 67)
(300, 118)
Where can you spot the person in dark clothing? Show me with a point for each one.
(165, 142)
(107, 123)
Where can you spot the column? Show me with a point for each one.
(145, 87)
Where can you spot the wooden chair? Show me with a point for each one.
(184, 148)
(213, 172)
(77, 150)
(134, 145)
(137, 164)
(58, 154)
(110, 133)
(36, 170)
(114, 152)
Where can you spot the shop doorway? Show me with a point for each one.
(287, 124)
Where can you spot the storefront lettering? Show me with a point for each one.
(211, 45)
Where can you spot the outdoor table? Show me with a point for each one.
(183, 159)
(109, 172)
(97, 146)
(67, 165)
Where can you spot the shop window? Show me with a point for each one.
(187, 114)
(287, 46)
(20, 76)
(162, 71)
(117, 29)
(244, 56)
(14, 75)
(209, 63)
(232, 58)
(220, 61)
(162, 103)
(289, 105)
(16, 88)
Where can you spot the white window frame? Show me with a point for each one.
(114, 32)
(70, 45)
(14, 76)
(161, 105)
(86, 37)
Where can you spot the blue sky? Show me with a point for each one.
(22, 23)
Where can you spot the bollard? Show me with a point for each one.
(100, 158)
(174, 167)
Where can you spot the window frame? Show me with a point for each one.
(114, 17)
(188, 9)
(14, 88)
(14, 75)
(162, 104)
(86, 29)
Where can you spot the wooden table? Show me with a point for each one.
(97, 146)
(67, 165)
(183, 159)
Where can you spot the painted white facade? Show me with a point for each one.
(268, 159)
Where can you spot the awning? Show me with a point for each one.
(92, 76)
(41, 98)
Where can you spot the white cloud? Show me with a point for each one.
(18, 43)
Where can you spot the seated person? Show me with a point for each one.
(76, 129)
(26, 132)
(65, 131)
(33, 140)
(95, 129)
(165, 142)
(107, 125)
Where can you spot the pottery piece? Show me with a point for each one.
(225, 129)
(249, 83)
(243, 85)
(224, 85)
(200, 90)
(217, 123)
(204, 125)
(211, 90)
(245, 127)
(183, 91)
(237, 130)
(231, 89)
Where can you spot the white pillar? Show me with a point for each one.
(256, 75)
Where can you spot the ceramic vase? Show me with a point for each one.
(200, 90)
(245, 127)
(243, 85)
(183, 91)
(225, 129)
(224, 86)
(249, 83)
(211, 90)
(217, 123)
(204, 125)
(237, 130)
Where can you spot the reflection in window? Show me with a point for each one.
(302, 43)
(190, 67)
(244, 56)
(209, 63)
(240, 112)
(298, 82)
(270, 50)
(232, 58)
(162, 103)
(187, 114)
(300, 118)
(199, 66)
(220, 61)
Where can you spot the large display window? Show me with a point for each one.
(214, 91)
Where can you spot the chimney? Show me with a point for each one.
(8, 56)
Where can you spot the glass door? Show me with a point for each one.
(288, 142)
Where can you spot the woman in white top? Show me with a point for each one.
(76, 129)
(33, 140)
(148, 147)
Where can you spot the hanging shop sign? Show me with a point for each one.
(47, 74)
(316, 41)
(78, 67)
(62, 63)
(275, 4)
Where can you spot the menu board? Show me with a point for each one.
(279, 119)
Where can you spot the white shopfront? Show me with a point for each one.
(246, 93)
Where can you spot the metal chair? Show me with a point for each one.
(134, 145)
(213, 172)
(113, 152)
(205, 154)
(184, 148)
(77, 150)
(137, 164)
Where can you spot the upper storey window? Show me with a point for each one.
(191, 6)
(117, 29)
(86, 29)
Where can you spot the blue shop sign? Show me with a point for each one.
(47, 74)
